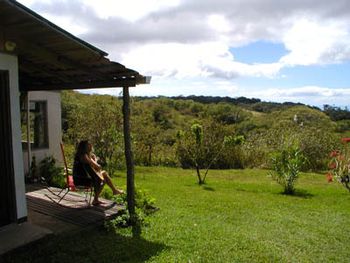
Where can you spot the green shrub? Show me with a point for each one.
(343, 126)
(144, 207)
(286, 165)
(315, 145)
(52, 174)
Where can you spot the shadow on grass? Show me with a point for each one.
(92, 245)
(208, 188)
(299, 193)
(249, 189)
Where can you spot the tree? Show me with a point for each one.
(200, 150)
(129, 158)
(146, 141)
(227, 114)
(336, 113)
(98, 119)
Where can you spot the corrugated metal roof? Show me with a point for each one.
(51, 58)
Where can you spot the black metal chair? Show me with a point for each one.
(70, 186)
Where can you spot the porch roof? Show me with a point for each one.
(50, 58)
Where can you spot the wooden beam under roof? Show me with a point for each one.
(81, 85)
(51, 58)
(31, 82)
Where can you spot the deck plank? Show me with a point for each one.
(73, 209)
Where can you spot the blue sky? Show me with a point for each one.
(331, 75)
(259, 52)
(269, 49)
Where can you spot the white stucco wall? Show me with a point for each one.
(53, 99)
(9, 62)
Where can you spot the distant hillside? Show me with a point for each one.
(254, 104)
(157, 122)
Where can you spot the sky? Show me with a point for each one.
(274, 50)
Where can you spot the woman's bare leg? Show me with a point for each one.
(97, 193)
(109, 182)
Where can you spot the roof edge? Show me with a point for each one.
(56, 28)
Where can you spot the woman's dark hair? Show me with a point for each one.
(82, 148)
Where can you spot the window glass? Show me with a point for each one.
(38, 124)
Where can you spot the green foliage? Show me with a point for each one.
(227, 114)
(343, 126)
(197, 146)
(155, 122)
(52, 174)
(233, 140)
(197, 131)
(144, 207)
(315, 144)
(203, 147)
(286, 166)
(98, 119)
(144, 201)
(161, 116)
(107, 147)
(302, 116)
(309, 128)
(33, 170)
(153, 129)
(336, 113)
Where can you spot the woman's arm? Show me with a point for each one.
(93, 163)
(94, 157)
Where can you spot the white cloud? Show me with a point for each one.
(211, 59)
(131, 10)
(219, 23)
(177, 41)
(314, 31)
(311, 95)
(169, 87)
(315, 42)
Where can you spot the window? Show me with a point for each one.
(38, 125)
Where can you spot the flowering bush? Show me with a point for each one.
(339, 166)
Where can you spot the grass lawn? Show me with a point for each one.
(238, 216)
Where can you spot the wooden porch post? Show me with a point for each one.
(29, 149)
(128, 155)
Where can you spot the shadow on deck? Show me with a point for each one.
(48, 217)
(73, 211)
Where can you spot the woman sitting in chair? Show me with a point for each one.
(87, 172)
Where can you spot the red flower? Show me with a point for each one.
(329, 177)
(334, 153)
(332, 165)
(345, 140)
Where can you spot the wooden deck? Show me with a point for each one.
(73, 209)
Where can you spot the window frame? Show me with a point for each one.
(44, 112)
